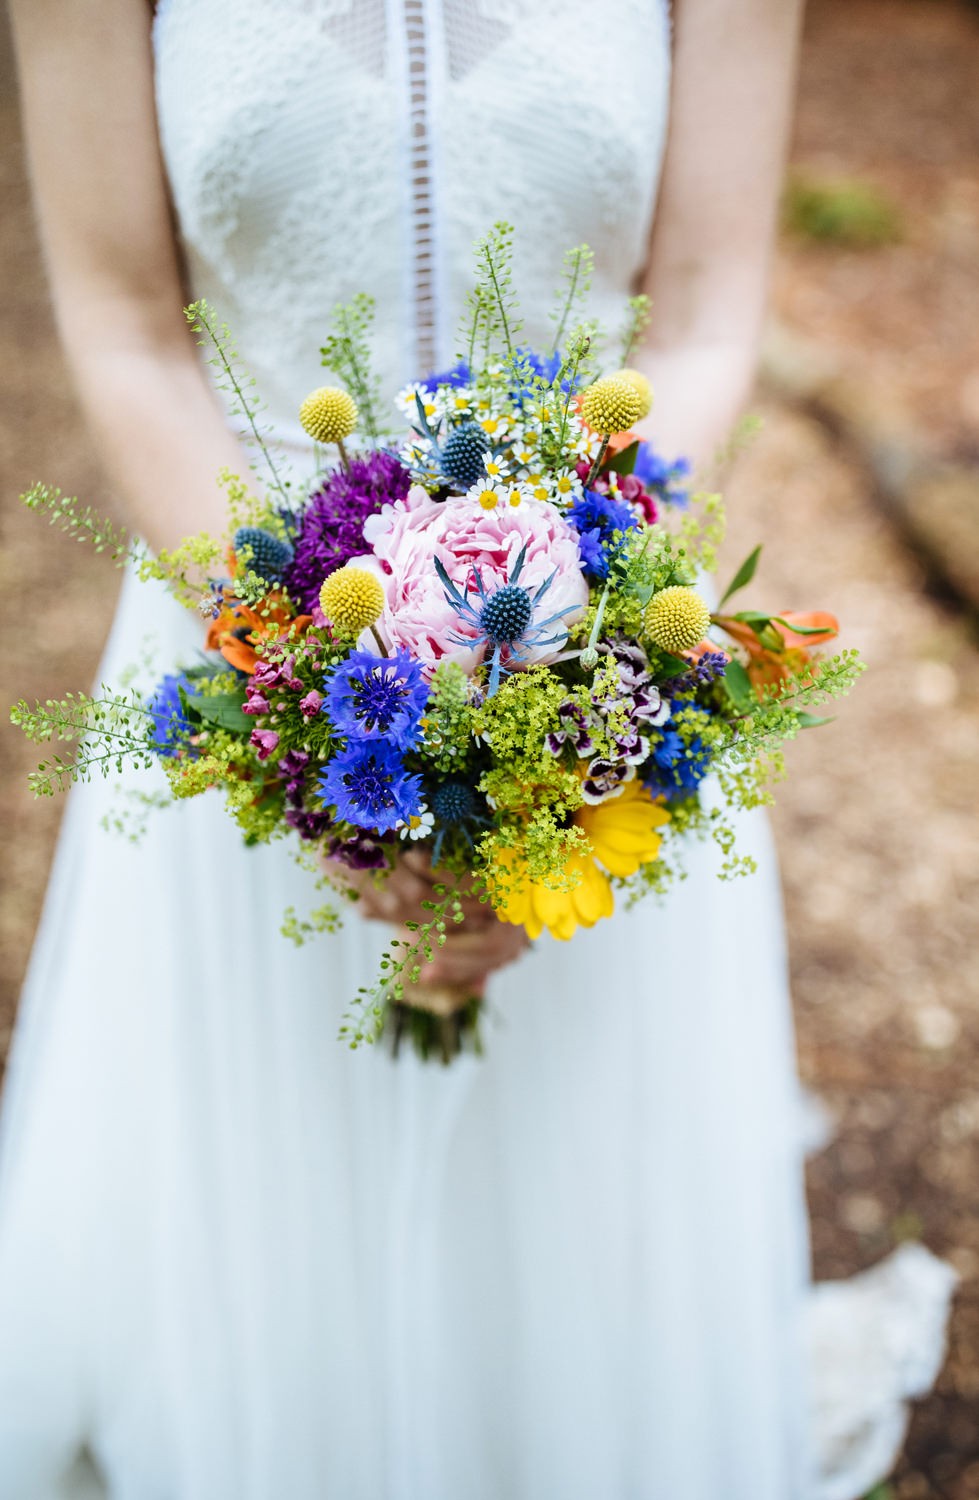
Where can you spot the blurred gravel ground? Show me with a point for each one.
(877, 826)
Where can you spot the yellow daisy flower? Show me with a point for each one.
(624, 834)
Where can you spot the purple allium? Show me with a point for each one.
(331, 529)
(368, 785)
(378, 698)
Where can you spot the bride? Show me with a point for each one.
(237, 1260)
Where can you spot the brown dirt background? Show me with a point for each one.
(877, 825)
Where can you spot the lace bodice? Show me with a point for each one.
(317, 148)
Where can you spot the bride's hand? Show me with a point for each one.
(397, 897)
(472, 950)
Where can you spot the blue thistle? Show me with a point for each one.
(455, 808)
(506, 614)
(462, 454)
(504, 619)
(267, 555)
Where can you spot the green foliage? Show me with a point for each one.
(111, 732)
(320, 919)
(82, 522)
(579, 265)
(184, 567)
(845, 212)
(515, 723)
(401, 964)
(741, 579)
(347, 353)
(780, 711)
(492, 317)
(232, 378)
(448, 724)
(636, 323)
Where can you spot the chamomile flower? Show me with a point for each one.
(421, 826)
(495, 468)
(495, 428)
(488, 494)
(407, 402)
(567, 485)
(458, 402)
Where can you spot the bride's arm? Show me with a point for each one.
(733, 84)
(86, 75)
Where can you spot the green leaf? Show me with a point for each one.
(743, 576)
(222, 710)
(625, 461)
(738, 686)
(799, 629)
(812, 721)
(752, 617)
(671, 666)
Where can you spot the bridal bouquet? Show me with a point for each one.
(481, 633)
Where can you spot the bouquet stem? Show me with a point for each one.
(440, 1020)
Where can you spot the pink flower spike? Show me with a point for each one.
(264, 741)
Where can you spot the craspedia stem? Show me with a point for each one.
(596, 467)
(341, 448)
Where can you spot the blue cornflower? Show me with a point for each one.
(504, 619)
(377, 698)
(661, 478)
(599, 522)
(368, 785)
(678, 763)
(171, 726)
(460, 374)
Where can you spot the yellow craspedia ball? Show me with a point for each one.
(677, 619)
(611, 405)
(642, 388)
(329, 415)
(352, 599)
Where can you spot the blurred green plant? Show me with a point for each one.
(840, 211)
(880, 1492)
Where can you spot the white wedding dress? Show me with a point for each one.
(238, 1261)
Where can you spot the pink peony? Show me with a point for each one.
(409, 534)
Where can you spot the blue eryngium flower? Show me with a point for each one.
(171, 727)
(377, 698)
(504, 618)
(600, 523)
(369, 786)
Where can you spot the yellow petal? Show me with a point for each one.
(593, 898)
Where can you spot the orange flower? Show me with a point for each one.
(239, 632)
(771, 662)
